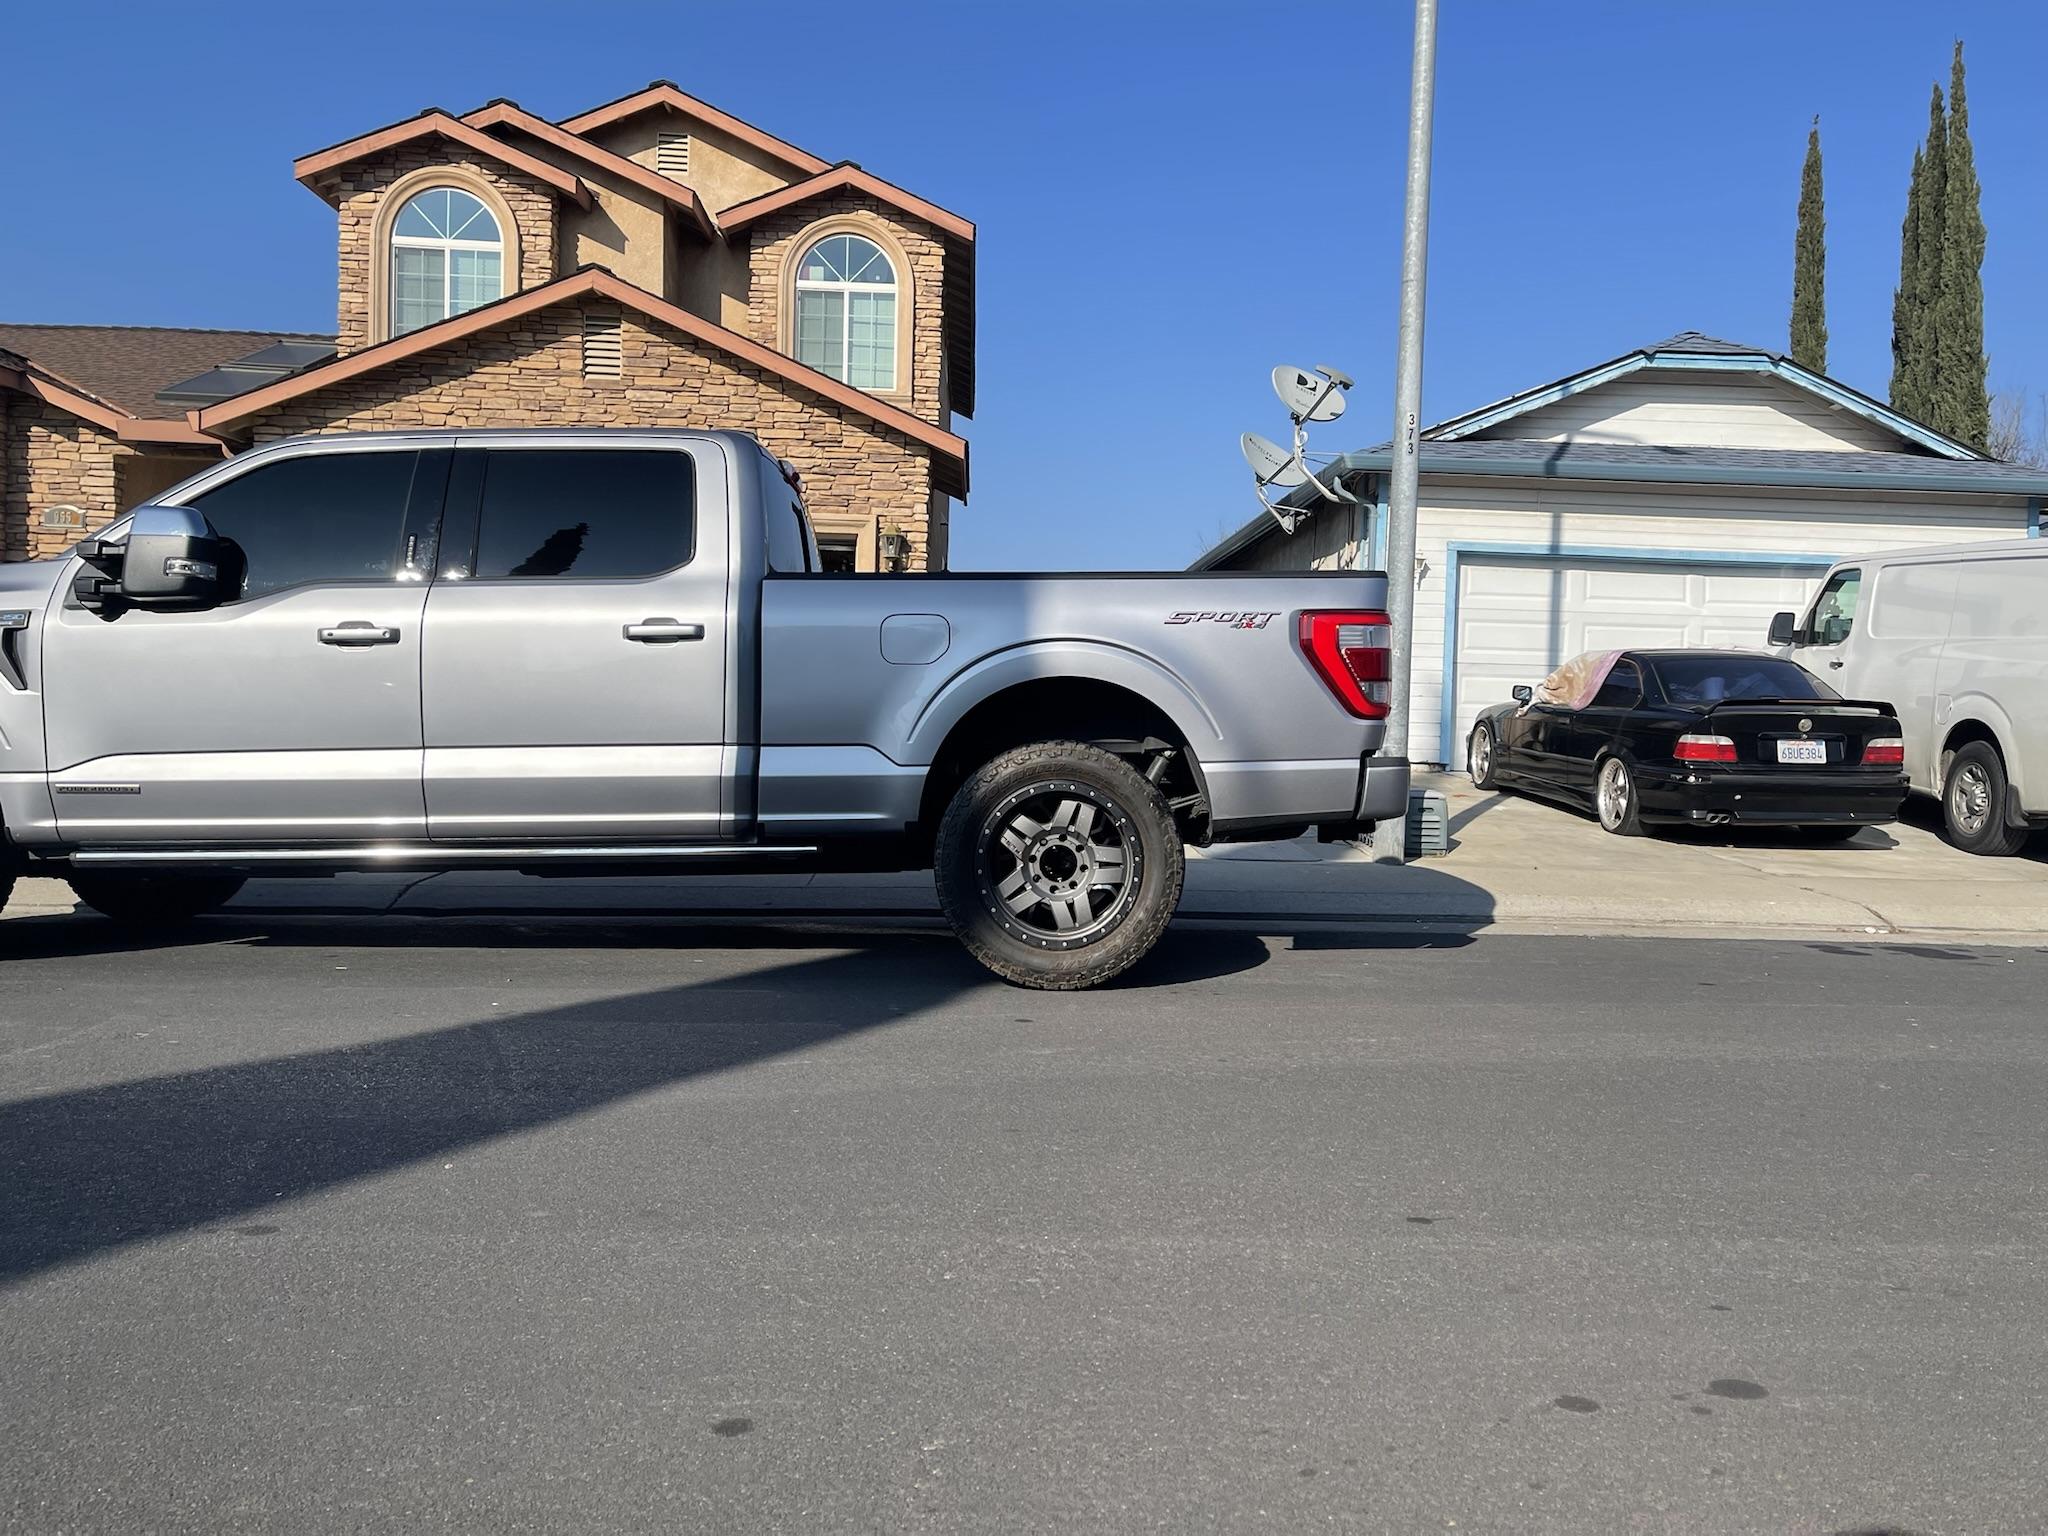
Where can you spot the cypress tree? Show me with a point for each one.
(1907, 299)
(1962, 406)
(1927, 258)
(1809, 265)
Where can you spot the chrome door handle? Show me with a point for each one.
(663, 631)
(359, 632)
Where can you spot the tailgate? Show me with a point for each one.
(1803, 733)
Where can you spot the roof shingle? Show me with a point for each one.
(125, 365)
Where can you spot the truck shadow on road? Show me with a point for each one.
(92, 1170)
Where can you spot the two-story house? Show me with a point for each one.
(653, 261)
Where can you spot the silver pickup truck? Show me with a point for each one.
(609, 651)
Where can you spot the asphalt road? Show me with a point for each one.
(404, 1225)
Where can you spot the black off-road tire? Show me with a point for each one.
(1992, 837)
(1482, 759)
(971, 832)
(153, 901)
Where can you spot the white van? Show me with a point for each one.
(1956, 639)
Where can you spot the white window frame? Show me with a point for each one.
(446, 247)
(893, 290)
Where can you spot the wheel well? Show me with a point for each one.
(1070, 709)
(1961, 735)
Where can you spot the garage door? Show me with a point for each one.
(1520, 616)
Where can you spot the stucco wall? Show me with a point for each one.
(723, 171)
(529, 372)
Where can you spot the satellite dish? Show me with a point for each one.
(1317, 396)
(1272, 464)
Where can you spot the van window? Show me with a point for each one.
(1834, 611)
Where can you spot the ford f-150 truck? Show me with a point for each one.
(613, 651)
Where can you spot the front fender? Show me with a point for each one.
(982, 679)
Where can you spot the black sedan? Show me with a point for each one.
(1700, 738)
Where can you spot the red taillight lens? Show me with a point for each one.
(1885, 752)
(1349, 652)
(1704, 749)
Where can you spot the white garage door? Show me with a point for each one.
(1520, 616)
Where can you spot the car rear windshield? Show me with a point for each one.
(1719, 679)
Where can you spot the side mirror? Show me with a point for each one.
(170, 558)
(1784, 629)
(1522, 693)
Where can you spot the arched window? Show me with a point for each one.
(447, 255)
(846, 312)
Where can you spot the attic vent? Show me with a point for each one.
(672, 154)
(601, 353)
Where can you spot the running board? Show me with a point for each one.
(444, 855)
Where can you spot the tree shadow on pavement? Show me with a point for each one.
(94, 1169)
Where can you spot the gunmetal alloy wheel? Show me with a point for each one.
(1058, 863)
(1614, 797)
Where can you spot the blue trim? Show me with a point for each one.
(2033, 517)
(1457, 552)
(1707, 362)
(1379, 526)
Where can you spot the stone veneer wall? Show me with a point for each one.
(772, 245)
(48, 458)
(359, 191)
(529, 372)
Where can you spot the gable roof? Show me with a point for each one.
(434, 123)
(1690, 349)
(509, 114)
(125, 366)
(665, 93)
(949, 451)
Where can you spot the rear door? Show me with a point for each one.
(574, 682)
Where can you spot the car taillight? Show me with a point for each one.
(1885, 752)
(1349, 652)
(1704, 749)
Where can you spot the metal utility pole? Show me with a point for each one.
(1390, 841)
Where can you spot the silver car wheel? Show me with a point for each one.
(1481, 760)
(1613, 793)
(1058, 864)
(1969, 799)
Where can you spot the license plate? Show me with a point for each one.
(1802, 752)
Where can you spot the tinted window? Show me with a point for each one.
(585, 513)
(1834, 611)
(325, 517)
(1717, 679)
(1622, 690)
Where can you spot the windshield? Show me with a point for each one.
(1718, 679)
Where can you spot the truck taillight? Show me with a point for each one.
(1700, 748)
(1349, 652)
(1885, 752)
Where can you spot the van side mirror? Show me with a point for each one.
(170, 559)
(1784, 629)
(1522, 693)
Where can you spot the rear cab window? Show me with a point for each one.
(1623, 688)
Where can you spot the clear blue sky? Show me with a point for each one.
(1171, 197)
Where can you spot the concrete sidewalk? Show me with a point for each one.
(1517, 865)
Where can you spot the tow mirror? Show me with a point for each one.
(1523, 693)
(1784, 629)
(169, 558)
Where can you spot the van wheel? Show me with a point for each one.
(1973, 803)
(1058, 865)
(153, 901)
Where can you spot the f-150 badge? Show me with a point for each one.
(1228, 620)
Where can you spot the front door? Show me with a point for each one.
(1823, 643)
(288, 714)
(575, 675)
